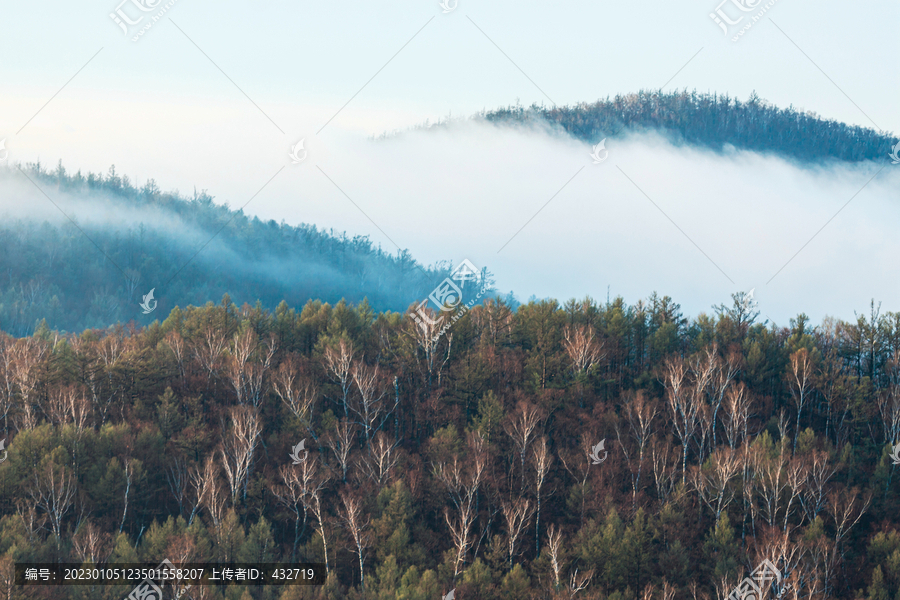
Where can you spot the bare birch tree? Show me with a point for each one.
(53, 491)
(209, 493)
(639, 414)
(91, 544)
(717, 377)
(665, 469)
(176, 344)
(381, 459)
(298, 392)
(770, 483)
(177, 477)
(713, 484)
(424, 328)
(208, 350)
(542, 459)
(299, 483)
(736, 414)
(684, 406)
(27, 367)
(357, 525)
(370, 408)
(247, 366)
(554, 547)
(238, 448)
(339, 364)
(583, 348)
(128, 467)
(7, 380)
(340, 441)
(800, 378)
(521, 427)
(814, 496)
(579, 581)
(315, 495)
(516, 513)
(463, 479)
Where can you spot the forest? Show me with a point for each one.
(579, 450)
(712, 121)
(189, 249)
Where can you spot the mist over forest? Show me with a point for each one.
(555, 449)
(122, 241)
(136, 238)
(713, 121)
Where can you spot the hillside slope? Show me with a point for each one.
(712, 121)
(189, 250)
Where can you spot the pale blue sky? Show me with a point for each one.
(159, 108)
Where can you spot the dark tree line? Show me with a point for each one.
(470, 463)
(57, 273)
(712, 120)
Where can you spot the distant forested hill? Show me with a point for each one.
(55, 271)
(158, 240)
(712, 120)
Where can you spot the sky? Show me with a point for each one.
(214, 96)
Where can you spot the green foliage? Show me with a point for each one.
(46, 279)
(135, 438)
(712, 120)
(490, 415)
(721, 551)
(516, 584)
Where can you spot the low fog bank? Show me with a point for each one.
(85, 256)
(695, 224)
(527, 202)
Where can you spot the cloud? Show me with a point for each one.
(690, 223)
